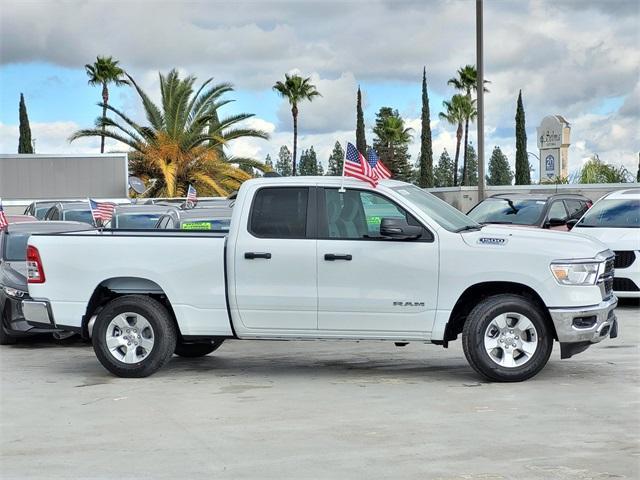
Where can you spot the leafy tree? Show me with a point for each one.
(392, 143)
(178, 147)
(523, 169)
(426, 150)
(472, 166)
(499, 170)
(443, 172)
(596, 171)
(24, 141)
(455, 111)
(103, 72)
(336, 159)
(283, 165)
(361, 141)
(268, 162)
(467, 82)
(296, 89)
(309, 163)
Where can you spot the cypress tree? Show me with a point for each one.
(24, 142)
(361, 141)
(426, 150)
(499, 170)
(523, 174)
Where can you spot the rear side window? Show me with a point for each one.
(576, 208)
(557, 210)
(279, 213)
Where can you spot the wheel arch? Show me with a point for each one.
(478, 292)
(115, 287)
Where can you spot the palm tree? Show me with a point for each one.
(104, 71)
(183, 140)
(467, 82)
(296, 89)
(391, 133)
(454, 113)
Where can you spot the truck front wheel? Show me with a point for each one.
(506, 338)
(134, 336)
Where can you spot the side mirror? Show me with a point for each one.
(399, 229)
(556, 222)
(572, 223)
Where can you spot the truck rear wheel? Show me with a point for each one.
(506, 338)
(134, 336)
(193, 350)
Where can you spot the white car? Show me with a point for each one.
(615, 221)
(305, 259)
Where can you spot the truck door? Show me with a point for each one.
(275, 261)
(368, 283)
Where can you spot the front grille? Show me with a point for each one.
(624, 258)
(607, 277)
(624, 285)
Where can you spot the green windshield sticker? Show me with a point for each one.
(374, 220)
(196, 226)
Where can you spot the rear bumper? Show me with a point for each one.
(38, 313)
(585, 325)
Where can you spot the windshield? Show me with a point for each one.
(504, 210)
(445, 215)
(142, 221)
(78, 216)
(15, 246)
(613, 213)
(217, 224)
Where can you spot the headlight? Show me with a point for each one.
(14, 292)
(576, 273)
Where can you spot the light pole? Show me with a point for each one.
(480, 89)
(538, 158)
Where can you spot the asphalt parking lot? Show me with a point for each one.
(321, 410)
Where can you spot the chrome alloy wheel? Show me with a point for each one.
(511, 340)
(130, 337)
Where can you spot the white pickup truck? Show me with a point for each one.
(305, 259)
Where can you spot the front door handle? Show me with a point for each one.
(330, 257)
(254, 255)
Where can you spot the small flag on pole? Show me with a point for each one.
(101, 210)
(192, 195)
(4, 222)
(356, 166)
(378, 167)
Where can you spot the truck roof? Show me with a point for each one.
(322, 180)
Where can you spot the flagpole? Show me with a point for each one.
(341, 189)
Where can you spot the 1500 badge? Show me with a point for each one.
(408, 304)
(492, 241)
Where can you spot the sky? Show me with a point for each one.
(576, 58)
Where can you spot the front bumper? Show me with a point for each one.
(578, 328)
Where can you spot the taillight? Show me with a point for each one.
(35, 273)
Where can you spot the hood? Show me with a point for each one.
(551, 243)
(614, 238)
(14, 275)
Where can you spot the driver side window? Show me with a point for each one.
(357, 214)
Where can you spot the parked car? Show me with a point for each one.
(615, 221)
(71, 212)
(534, 210)
(13, 271)
(202, 218)
(137, 217)
(20, 218)
(39, 208)
(302, 261)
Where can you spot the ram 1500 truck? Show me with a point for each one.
(307, 259)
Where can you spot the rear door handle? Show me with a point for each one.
(254, 255)
(330, 257)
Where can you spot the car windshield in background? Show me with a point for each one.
(216, 225)
(613, 213)
(448, 217)
(78, 216)
(503, 210)
(41, 212)
(15, 247)
(141, 221)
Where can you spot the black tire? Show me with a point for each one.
(476, 326)
(194, 350)
(164, 331)
(5, 337)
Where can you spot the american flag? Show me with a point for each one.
(378, 167)
(356, 166)
(101, 210)
(192, 196)
(4, 223)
